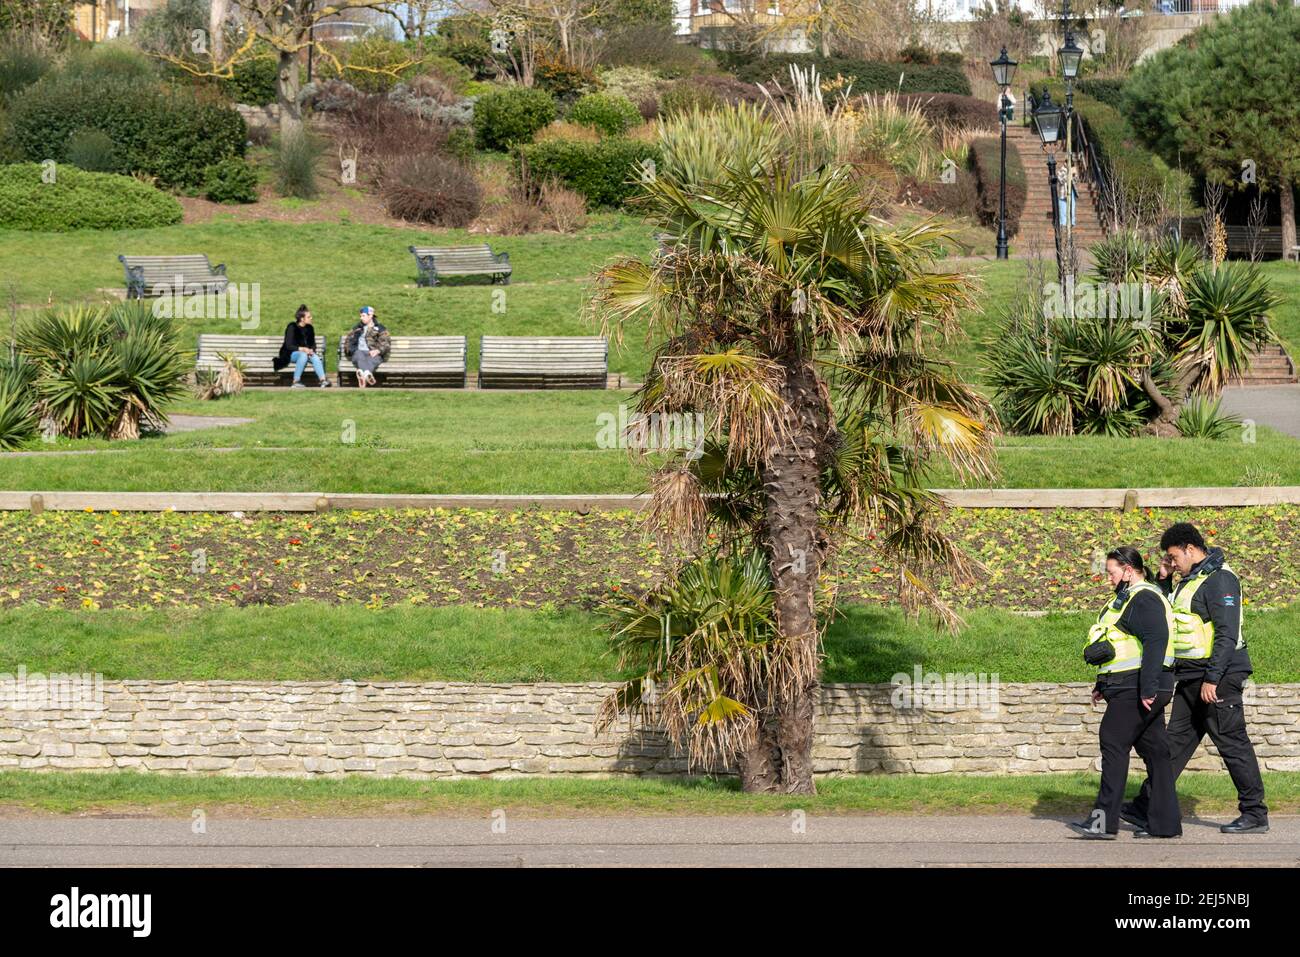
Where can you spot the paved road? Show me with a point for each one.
(1277, 406)
(630, 841)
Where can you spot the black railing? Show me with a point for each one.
(1089, 165)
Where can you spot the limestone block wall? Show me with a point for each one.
(444, 730)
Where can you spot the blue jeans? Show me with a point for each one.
(299, 360)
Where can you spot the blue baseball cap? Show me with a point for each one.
(369, 309)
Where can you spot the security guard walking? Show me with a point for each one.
(1212, 665)
(1130, 645)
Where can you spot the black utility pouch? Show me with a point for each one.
(1099, 652)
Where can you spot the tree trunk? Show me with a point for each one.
(1288, 218)
(216, 32)
(287, 94)
(792, 490)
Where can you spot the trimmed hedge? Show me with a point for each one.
(231, 181)
(511, 115)
(986, 159)
(867, 76)
(80, 200)
(171, 133)
(953, 109)
(1105, 90)
(607, 172)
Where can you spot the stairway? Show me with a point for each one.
(1270, 366)
(1036, 221)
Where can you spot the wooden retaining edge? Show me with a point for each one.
(1111, 498)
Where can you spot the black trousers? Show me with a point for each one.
(1225, 722)
(1126, 726)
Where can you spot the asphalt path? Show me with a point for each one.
(502, 840)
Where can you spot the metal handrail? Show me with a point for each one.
(1095, 173)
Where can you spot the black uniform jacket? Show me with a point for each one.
(1219, 601)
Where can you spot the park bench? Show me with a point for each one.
(255, 354)
(156, 275)
(438, 262)
(528, 362)
(429, 361)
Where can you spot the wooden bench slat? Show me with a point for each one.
(435, 261)
(543, 362)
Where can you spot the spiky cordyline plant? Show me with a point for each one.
(795, 323)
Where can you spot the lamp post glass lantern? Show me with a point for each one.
(1070, 56)
(1047, 120)
(1004, 69)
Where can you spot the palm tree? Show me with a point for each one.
(798, 324)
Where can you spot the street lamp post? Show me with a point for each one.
(1004, 69)
(1047, 121)
(1070, 56)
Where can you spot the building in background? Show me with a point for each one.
(108, 19)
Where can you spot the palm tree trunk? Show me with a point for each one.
(791, 482)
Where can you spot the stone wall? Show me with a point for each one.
(459, 730)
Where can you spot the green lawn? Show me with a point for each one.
(530, 442)
(1201, 794)
(312, 641)
(337, 268)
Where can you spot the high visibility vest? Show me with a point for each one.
(1193, 635)
(1128, 648)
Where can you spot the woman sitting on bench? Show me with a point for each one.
(300, 347)
(368, 344)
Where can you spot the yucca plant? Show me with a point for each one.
(18, 419)
(1037, 388)
(1225, 320)
(699, 145)
(103, 371)
(1200, 418)
(1121, 257)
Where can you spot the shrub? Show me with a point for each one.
(93, 151)
(80, 200)
(231, 181)
(170, 133)
(1108, 90)
(374, 63)
(432, 189)
(687, 96)
(465, 39)
(296, 161)
(115, 60)
(607, 172)
(460, 143)
(655, 47)
(18, 419)
(564, 81)
(634, 82)
(104, 371)
(255, 82)
(511, 115)
(950, 109)
(608, 112)
(867, 76)
(916, 53)
(986, 161)
(22, 63)
(1201, 418)
(565, 210)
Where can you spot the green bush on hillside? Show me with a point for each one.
(80, 200)
(607, 173)
(169, 132)
(610, 113)
(231, 180)
(511, 115)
